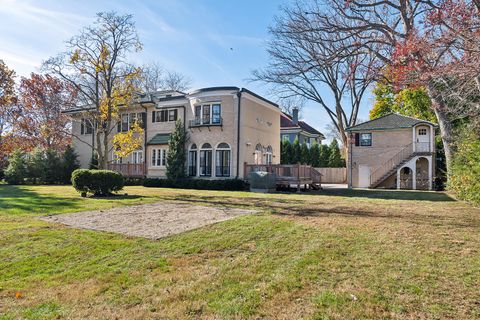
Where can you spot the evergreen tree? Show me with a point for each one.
(17, 168)
(296, 152)
(304, 154)
(93, 161)
(53, 166)
(286, 152)
(315, 155)
(35, 165)
(176, 156)
(69, 164)
(335, 159)
(324, 156)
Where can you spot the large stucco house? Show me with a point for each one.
(392, 151)
(227, 127)
(292, 128)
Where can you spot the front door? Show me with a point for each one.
(423, 139)
(363, 176)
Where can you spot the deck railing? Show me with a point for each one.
(422, 147)
(128, 169)
(286, 172)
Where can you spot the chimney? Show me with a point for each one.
(295, 116)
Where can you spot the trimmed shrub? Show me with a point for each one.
(199, 184)
(97, 182)
(133, 181)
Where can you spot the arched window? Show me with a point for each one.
(206, 160)
(222, 160)
(258, 154)
(192, 160)
(269, 155)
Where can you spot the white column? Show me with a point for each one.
(414, 174)
(398, 178)
(430, 172)
(414, 134)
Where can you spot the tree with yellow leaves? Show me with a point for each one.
(96, 64)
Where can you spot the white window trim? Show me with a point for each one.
(229, 159)
(159, 153)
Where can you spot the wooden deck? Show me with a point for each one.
(130, 170)
(287, 175)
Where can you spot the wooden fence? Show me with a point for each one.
(333, 175)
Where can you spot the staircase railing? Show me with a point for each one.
(390, 164)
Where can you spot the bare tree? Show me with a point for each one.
(156, 77)
(309, 61)
(395, 31)
(289, 103)
(95, 64)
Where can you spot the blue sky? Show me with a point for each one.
(214, 42)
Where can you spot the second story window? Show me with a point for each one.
(86, 126)
(165, 115)
(216, 112)
(128, 119)
(208, 114)
(363, 139)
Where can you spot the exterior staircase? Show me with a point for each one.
(398, 160)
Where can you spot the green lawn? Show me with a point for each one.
(332, 255)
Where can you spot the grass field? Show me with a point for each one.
(334, 255)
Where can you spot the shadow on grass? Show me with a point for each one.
(386, 194)
(19, 200)
(324, 208)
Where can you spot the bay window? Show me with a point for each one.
(159, 157)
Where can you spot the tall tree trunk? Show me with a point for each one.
(445, 125)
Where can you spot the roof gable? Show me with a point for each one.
(286, 122)
(389, 121)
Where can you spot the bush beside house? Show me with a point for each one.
(200, 184)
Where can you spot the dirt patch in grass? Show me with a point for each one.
(153, 221)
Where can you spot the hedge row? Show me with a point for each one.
(97, 182)
(200, 184)
(464, 178)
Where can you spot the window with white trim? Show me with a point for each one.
(365, 139)
(258, 154)
(128, 119)
(192, 161)
(86, 126)
(137, 156)
(422, 132)
(159, 157)
(269, 155)
(222, 160)
(208, 114)
(206, 160)
(165, 115)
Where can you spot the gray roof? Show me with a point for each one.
(389, 121)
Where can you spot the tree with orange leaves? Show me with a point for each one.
(40, 121)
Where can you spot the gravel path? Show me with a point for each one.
(151, 221)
